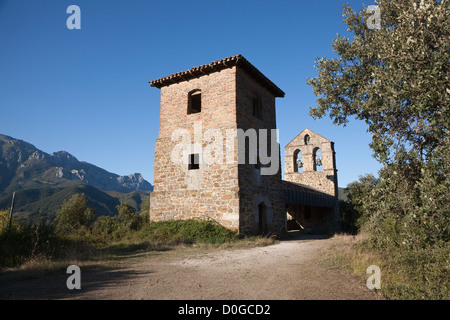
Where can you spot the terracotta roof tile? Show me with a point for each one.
(215, 66)
(289, 185)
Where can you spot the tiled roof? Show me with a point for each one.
(215, 66)
(289, 185)
(298, 194)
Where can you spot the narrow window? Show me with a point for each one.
(257, 107)
(195, 102)
(307, 139)
(194, 163)
(262, 212)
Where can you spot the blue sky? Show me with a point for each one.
(86, 91)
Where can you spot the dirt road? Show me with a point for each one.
(284, 271)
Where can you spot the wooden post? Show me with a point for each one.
(11, 212)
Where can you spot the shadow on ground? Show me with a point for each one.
(95, 276)
(48, 285)
(295, 235)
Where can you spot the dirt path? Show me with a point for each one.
(283, 271)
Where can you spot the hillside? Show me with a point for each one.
(39, 204)
(343, 194)
(43, 181)
(23, 166)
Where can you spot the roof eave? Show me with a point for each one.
(216, 66)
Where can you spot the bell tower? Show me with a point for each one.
(309, 159)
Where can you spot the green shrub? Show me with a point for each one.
(76, 235)
(406, 216)
(121, 226)
(187, 231)
(128, 217)
(25, 242)
(74, 215)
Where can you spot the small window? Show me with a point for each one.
(195, 102)
(257, 107)
(307, 139)
(194, 163)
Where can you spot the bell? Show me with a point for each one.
(318, 162)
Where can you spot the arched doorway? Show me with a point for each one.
(262, 218)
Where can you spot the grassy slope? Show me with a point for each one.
(36, 204)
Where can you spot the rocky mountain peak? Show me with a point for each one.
(23, 166)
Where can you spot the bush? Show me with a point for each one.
(408, 213)
(76, 234)
(25, 242)
(131, 220)
(106, 228)
(4, 218)
(406, 216)
(187, 231)
(74, 216)
(353, 215)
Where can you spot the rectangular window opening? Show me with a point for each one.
(195, 102)
(194, 161)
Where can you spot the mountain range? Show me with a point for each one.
(43, 181)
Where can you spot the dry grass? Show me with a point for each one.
(122, 252)
(404, 275)
(347, 253)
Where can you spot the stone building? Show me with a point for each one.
(310, 163)
(217, 155)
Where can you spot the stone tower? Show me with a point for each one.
(309, 159)
(205, 167)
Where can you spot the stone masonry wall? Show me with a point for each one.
(326, 180)
(227, 192)
(212, 190)
(240, 196)
(254, 187)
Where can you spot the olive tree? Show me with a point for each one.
(395, 78)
